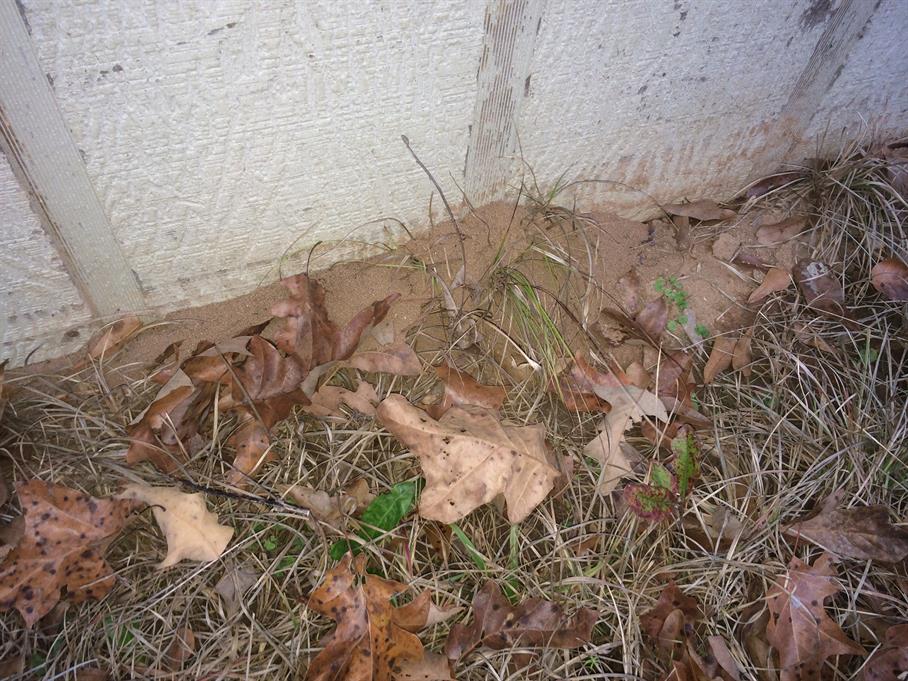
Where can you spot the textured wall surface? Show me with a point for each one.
(218, 133)
(225, 138)
(38, 303)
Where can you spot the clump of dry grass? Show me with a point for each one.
(807, 422)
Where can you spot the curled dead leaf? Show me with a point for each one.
(720, 358)
(889, 662)
(890, 277)
(653, 318)
(534, 622)
(776, 280)
(820, 288)
(703, 209)
(860, 533)
(397, 358)
(461, 389)
(779, 232)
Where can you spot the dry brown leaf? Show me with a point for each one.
(704, 209)
(890, 277)
(328, 399)
(534, 622)
(807, 337)
(192, 531)
(889, 662)
(653, 621)
(629, 405)
(62, 547)
(12, 666)
(742, 356)
(368, 642)
(723, 657)
(768, 184)
(719, 358)
(577, 387)
(325, 508)
(181, 649)
(172, 418)
(821, 290)
(235, 582)
(462, 390)
(397, 358)
(860, 533)
(430, 667)
(799, 628)
(109, 339)
(653, 318)
(775, 280)
(358, 490)
(308, 334)
(469, 457)
(789, 228)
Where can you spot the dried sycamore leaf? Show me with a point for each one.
(719, 358)
(368, 641)
(821, 290)
(860, 533)
(109, 339)
(235, 582)
(534, 622)
(397, 358)
(469, 457)
(890, 277)
(775, 280)
(307, 333)
(789, 228)
(799, 628)
(629, 405)
(192, 531)
(62, 547)
(889, 662)
(461, 390)
(704, 209)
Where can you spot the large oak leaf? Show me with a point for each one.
(534, 622)
(369, 641)
(66, 533)
(469, 457)
(799, 628)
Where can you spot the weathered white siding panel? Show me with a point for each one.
(38, 303)
(671, 98)
(869, 99)
(217, 133)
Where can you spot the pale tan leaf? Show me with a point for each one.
(775, 280)
(469, 457)
(181, 649)
(324, 507)
(742, 356)
(779, 232)
(430, 667)
(192, 532)
(629, 405)
(397, 358)
(704, 209)
(719, 359)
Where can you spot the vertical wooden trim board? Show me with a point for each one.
(43, 153)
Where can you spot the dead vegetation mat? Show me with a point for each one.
(674, 450)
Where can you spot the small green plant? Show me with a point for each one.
(675, 294)
(382, 515)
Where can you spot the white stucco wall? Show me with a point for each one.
(218, 135)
